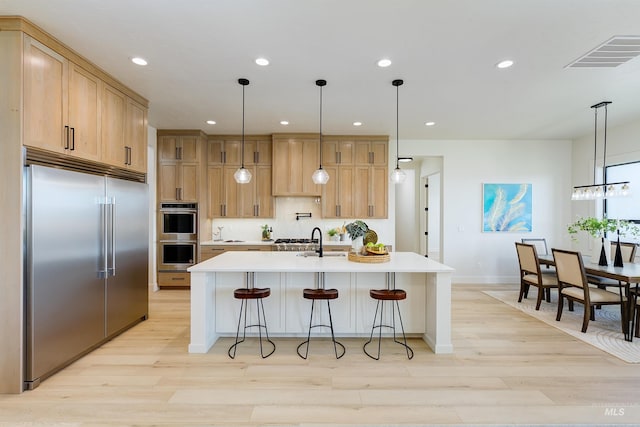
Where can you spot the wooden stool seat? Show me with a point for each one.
(388, 294)
(251, 293)
(314, 294)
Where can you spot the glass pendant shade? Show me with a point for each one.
(320, 176)
(242, 175)
(398, 176)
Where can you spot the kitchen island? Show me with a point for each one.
(214, 312)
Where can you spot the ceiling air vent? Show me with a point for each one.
(615, 51)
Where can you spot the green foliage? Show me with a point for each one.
(596, 227)
(356, 229)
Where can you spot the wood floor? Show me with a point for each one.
(507, 368)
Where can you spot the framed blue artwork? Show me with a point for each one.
(506, 207)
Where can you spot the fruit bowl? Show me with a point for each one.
(377, 251)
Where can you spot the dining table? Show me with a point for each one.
(627, 275)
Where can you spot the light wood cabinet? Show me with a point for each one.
(295, 158)
(174, 280)
(61, 103)
(337, 152)
(124, 131)
(178, 167)
(372, 152)
(370, 192)
(210, 251)
(337, 194)
(227, 198)
(69, 110)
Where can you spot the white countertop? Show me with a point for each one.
(288, 262)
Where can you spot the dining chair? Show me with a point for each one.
(574, 287)
(530, 274)
(541, 249)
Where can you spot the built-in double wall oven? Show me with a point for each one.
(178, 236)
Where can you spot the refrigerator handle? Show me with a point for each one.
(104, 244)
(113, 237)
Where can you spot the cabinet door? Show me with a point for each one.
(136, 136)
(361, 192)
(84, 114)
(330, 194)
(310, 162)
(380, 152)
(231, 193)
(215, 191)
(215, 152)
(188, 149)
(189, 181)
(257, 152)
(178, 182)
(345, 191)
(378, 191)
(233, 152)
(168, 148)
(168, 182)
(263, 198)
(113, 129)
(294, 161)
(280, 171)
(337, 152)
(45, 97)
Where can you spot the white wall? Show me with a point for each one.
(407, 216)
(490, 257)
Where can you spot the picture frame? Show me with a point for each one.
(506, 207)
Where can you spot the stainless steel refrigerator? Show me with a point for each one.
(86, 264)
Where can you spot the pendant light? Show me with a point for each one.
(242, 175)
(320, 176)
(604, 190)
(397, 176)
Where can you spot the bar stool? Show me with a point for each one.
(393, 295)
(244, 295)
(320, 294)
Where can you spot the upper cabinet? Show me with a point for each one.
(227, 198)
(295, 158)
(357, 168)
(124, 131)
(72, 111)
(179, 173)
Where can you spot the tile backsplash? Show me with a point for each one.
(285, 224)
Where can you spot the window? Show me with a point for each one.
(627, 208)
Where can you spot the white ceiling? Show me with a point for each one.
(444, 50)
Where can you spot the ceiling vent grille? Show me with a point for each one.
(615, 51)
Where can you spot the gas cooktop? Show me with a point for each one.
(303, 241)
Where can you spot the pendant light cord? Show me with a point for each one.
(397, 126)
(595, 143)
(604, 154)
(320, 83)
(243, 126)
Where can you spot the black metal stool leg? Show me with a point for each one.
(242, 307)
(404, 337)
(333, 337)
(266, 330)
(373, 328)
(306, 354)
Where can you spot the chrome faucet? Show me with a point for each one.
(313, 232)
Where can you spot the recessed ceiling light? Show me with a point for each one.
(262, 62)
(504, 64)
(284, 122)
(430, 123)
(211, 122)
(357, 123)
(139, 61)
(384, 63)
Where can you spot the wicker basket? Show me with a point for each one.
(370, 258)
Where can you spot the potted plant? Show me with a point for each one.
(333, 233)
(598, 228)
(266, 232)
(356, 230)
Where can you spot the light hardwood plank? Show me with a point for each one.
(507, 368)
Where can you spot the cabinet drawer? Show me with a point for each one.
(207, 252)
(174, 279)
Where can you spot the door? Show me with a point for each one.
(65, 304)
(127, 295)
